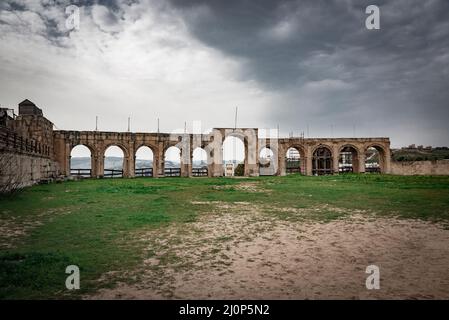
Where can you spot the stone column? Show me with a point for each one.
(66, 164)
(251, 156)
(93, 165)
(100, 165)
(160, 160)
(335, 159)
(186, 162)
(130, 165)
(386, 168)
(355, 162)
(308, 160)
(282, 170)
(361, 159)
(155, 162)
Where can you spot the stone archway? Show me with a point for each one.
(322, 161)
(348, 159)
(376, 159)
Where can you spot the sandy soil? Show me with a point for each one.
(236, 252)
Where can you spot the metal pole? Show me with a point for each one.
(235, 120)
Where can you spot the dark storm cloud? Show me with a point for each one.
(328, 66)
(308, 63)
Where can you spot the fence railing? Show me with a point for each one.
(293, 170)
(87, 173)
(10, 140)
(113, 173)
(144, 172)
(199, 172)
(345, 169)
(172, 172)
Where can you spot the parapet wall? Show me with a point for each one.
(26, 151)
(410, 168)
(18, 170)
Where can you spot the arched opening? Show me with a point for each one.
(199, 163)
(113, 162)
(293, 161)
(234, 156)
(172, 162)
(348, 160)
(267, 162)
(144, 162)
(374, 159)
(322, 162)
(81, 161)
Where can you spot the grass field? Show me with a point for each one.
(96, 224)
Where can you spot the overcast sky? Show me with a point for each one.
(298, 64)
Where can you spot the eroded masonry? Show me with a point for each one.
(32, 151)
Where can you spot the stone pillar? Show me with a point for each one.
(355, 162)
(130, 165)
(160, 161)
(155, 162)
(66, 162)
(361, 159)
(335, 159)
(93, 165)
(217, 159)
(309, 159)
(100, 162)
(186, 162)
(282, 170)
(386, 168)
(251, 156)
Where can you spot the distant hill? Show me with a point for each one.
(117, 162)
(420, 154)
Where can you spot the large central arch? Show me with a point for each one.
(235, 152)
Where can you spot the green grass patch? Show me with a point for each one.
(94, 223)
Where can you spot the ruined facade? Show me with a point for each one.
(26, 147)
(311, 163)
(37, 152)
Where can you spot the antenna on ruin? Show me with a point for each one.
(185, 126)
(157, 125)
(129, 124)
(235, 120)
(96, 123)
(278, 130)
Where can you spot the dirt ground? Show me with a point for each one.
(237, 252)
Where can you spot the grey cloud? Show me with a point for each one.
(399, 74)
(314, 59)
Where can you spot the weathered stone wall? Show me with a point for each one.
(409, 168)
(19, 170)
(26, 149)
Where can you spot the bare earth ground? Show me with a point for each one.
(239, 252)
